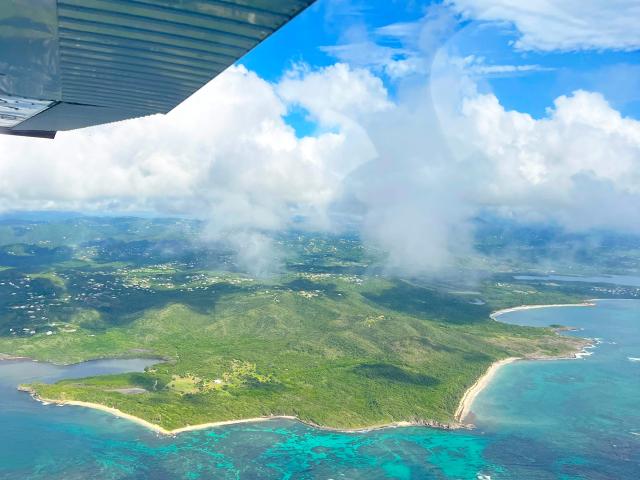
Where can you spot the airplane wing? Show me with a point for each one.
(67, 64)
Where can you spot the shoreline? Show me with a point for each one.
(464, 407)
(203, 426)
(497, 313)
(462, 411)
(9, 357)
(466, 402)
(4, 357)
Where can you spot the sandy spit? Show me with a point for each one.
(189, 428)
(497, 313)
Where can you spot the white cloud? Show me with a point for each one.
(397, 50)
(226, 154)
(415, 168)
(408, 32)
(580, 165)
(228, 141)
(336, 95)
(474, 66)
(393, 62)
(439, 164)
(507, 69)
(565, 25)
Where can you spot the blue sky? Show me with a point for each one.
(611, 71)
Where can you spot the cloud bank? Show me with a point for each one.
(413, 168)
(579, 166)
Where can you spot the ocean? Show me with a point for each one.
(560, 419)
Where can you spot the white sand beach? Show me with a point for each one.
(497, 313)
(189, 428)
(470, 395)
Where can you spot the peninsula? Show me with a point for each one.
(385, 391)
(327, 340)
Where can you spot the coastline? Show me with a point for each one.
(463, 409)
(7, 357)
(497, 313)
(202, 426)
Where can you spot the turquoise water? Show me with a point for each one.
(538, 420)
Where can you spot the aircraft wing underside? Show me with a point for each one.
(67, 64)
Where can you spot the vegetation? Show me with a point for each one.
(328, 340)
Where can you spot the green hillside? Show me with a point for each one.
(329, 339)
(332, 352)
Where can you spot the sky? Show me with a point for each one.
(401, 119)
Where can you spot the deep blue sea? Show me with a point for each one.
(572, 419)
